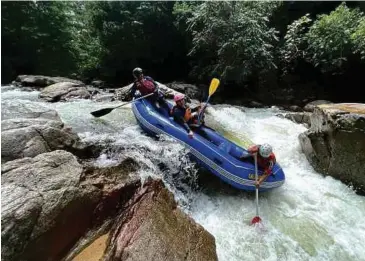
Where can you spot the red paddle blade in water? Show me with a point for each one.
(256, 220)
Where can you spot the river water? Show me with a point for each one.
(311, 217)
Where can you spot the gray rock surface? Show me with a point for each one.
(335, 143)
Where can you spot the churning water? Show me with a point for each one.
(311, 217)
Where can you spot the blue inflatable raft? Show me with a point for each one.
(213, 151)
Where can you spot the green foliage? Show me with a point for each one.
(233, 39)
(329, 38)
(358, 39)
(328, 43)
(295, 43)
(36, 38)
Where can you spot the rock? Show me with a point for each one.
(40, 201)
(123, 94)
(310, 106)
(51, 194)
(117, 183)
(152, 228)
(43, 81)
(98, 83)
(64, 91)
(192, 91)
(295, 108)
(335, 145)
(31, 137)
(11, 109)
(255, 104)
(299, 117)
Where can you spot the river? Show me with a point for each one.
(311, 217)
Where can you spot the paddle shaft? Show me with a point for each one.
(202, 110)
(134, 100)
(257, 189)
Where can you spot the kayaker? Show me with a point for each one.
(265, 159)
(183, 114)
(146, 85)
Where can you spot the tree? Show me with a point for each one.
(233, 39)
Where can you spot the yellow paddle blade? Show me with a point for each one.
(213, 86)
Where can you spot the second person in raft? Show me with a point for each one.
(184, 115)
(146, 85)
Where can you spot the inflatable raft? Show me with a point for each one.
(209, 149)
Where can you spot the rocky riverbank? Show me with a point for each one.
(53, 196)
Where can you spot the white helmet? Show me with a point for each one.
(265, 150)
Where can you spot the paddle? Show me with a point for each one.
(256, 219)
(212, 88)
(105, 111)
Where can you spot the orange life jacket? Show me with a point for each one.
(188, 117)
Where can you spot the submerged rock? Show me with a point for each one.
(335, 143)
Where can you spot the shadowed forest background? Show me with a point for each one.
(288, 52)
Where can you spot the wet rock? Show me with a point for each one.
(49, 202)
(98, 83)
(30, 137)
(123, 94)
(41, 200)
(117, 183)
(152, 228)
(335, 145)
(311, 105)
(12, 109)
(64, 91)
(255, 104)
(295, 108)
(298, 117)
(42, 81)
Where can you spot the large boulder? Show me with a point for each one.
(152, 228)
(335, 143)
(50, 201)
(64, 91)
(40, 202)
(42, 81)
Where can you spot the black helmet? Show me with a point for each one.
(137, 72)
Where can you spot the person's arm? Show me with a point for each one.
(133, 90)
(250, 152)
(181, 121)
(267, 171)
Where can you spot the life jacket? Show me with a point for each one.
(188, 116)
(145, 86)
(265, 163)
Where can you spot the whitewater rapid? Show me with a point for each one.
(311, 217)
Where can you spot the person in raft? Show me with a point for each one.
(184, 115)
(265, 159)
(146, 85)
